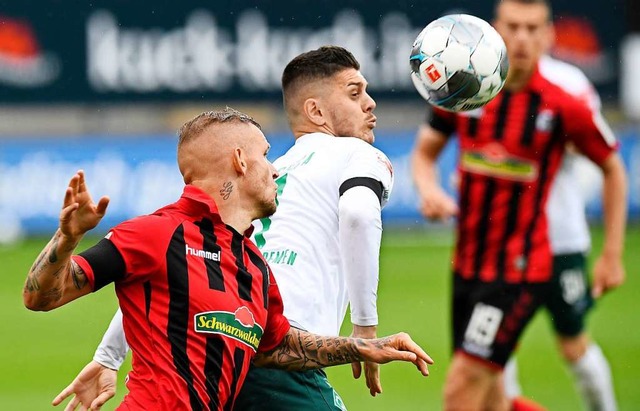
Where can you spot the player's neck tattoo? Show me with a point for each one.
(227, 188)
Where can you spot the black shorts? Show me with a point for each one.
(569, 297)
(488, 318)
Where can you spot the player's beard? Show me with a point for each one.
(266, 208)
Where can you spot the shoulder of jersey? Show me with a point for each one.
(565, 76)
(356, 145)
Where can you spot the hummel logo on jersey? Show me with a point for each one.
(545, 120)
(201, 253)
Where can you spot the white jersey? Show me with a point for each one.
(568, 229)
(301, 241)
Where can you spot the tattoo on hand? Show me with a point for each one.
(227, 188)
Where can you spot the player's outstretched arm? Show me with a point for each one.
(434, 204)
(608, 271)
(95, 385)
(301, 350)
(54, 279)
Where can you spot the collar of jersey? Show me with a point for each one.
(200, 198)
(310, 136)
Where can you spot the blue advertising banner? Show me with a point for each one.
(140, 174)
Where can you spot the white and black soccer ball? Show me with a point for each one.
(459, 62)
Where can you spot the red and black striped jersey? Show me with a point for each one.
(510, 151)
(198, 301)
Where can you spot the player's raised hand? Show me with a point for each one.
(95, 385)
(79, 213)
(438, 205)
(397, 347)
(608, 273)
(371, 369)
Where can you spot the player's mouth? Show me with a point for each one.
(520, 55)
(372, 122)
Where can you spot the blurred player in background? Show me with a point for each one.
(510, 151)
(570, 296)
(199, 304)
(323, 242)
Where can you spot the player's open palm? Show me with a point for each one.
(95, 385)
(79, 213)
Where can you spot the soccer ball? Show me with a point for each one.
(459, 62)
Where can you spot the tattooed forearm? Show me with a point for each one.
(48, 279)
(31, 284)
(302, 351)
(53, 256)
(49, 297)
(39, 261)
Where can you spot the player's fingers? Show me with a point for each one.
(63, 394)
(73, 182)
(68, 197)
(101, 208)
(101, 399)
(75, 401)
(412, 357)
(372, 372)
(65, 214)
(422, 366)
(356, 369)
(408, 344)
(596, 291)
(82, 185)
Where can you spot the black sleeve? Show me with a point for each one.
(441, 121)
(106, 261)
(371, 183)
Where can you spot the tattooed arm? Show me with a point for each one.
(54, 279)
(301, 350)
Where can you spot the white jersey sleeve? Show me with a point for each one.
(360, 228)
(573, 185)
(368, 163)
(360, 233)
(113, 348)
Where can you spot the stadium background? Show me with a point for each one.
(104, 85)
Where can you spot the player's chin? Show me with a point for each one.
(271, 208)
(266, 209)
(369, 136)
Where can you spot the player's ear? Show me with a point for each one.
(239, 161)
(314, 112)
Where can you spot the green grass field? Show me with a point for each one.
(42, 352)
